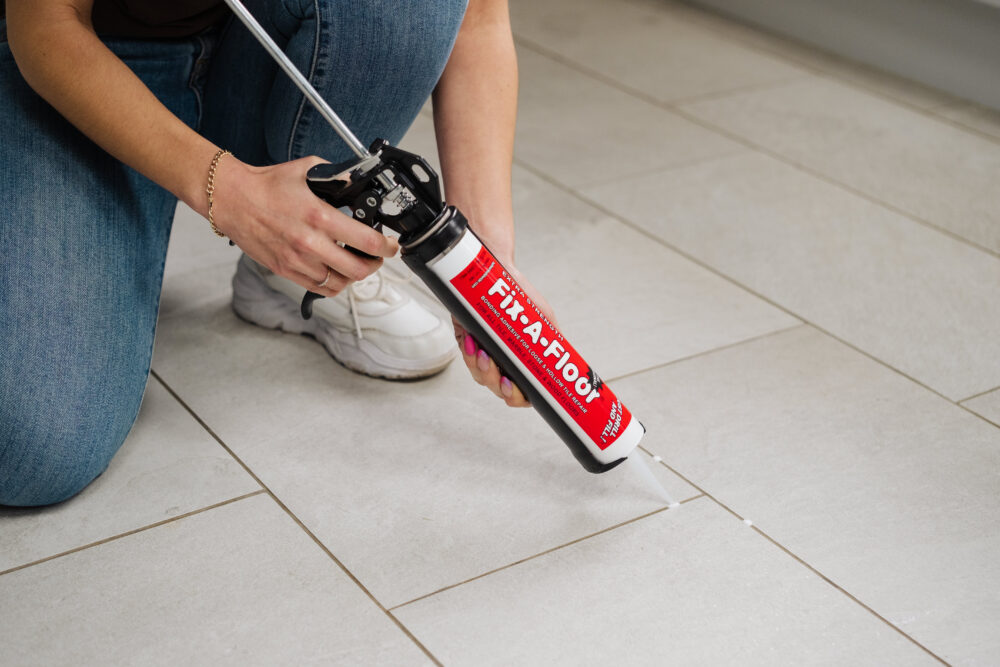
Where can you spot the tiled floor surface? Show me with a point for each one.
(790, 266)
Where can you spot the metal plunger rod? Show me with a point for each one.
(303, 83)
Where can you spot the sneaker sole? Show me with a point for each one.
(257, 303)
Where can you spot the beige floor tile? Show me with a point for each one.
(929, 169)
(625, 302)
(580, 130)
(168, 466)
(416, 485)
(907, 294)
(199, 265)
(645, 46)
(975, 117)
(240, 584)
(193, 246)
(688, 587)
(885, 488)
(987, 405)
(194, 288)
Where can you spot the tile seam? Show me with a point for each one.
(850, 189)
(134, 531)
(979, 395)
(732, 136)
(979, 416)
(802, 562)
(848, 594)
(540, 554)
(739, 90)
(265, 489)
(703, 353)
(739, 150)
(708, 267)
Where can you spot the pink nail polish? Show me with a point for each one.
(469, 345)
(483, 360)
(506, 387)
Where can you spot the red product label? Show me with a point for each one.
(539, 346)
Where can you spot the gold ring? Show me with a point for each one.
(329, 272)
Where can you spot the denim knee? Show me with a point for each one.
(47, 458)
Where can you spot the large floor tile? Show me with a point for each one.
(691, 587)
(581, 130)
(199, 264)
(168, 466)
(241, 584)
(414, 486)
(193, 245)
(907, 294)
(927, 168)
(625, 302)
(885, 488)
(987, 405)
(645, 46)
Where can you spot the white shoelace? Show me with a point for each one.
(354, 293)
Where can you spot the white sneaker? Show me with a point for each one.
(371, 327)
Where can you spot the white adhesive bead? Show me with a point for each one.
(657, 459)
(748, 522)
(673, 505)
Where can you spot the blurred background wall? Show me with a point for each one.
(953, 45)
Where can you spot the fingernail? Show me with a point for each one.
(506, 387)
(469, 345)
(483, 360)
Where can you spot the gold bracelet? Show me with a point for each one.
(210, 190)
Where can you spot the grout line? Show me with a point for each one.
(620, 177)
(982, 417)
(542, 553)
(739, 90)
(708, 267)
(707, 352)
(690, 117)
(822, 576)
(838, 184)
(266, 489)
(982, 393)
(848, 594)
(134, 531)
(592, 73)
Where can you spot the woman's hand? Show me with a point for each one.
(273, 216)
(484, 369)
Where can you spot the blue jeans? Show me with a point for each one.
(83, 238)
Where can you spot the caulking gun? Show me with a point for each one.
(391, 187)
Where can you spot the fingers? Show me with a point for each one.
(311, 252)
(485, 371)
(334, 286)
(336, 225)
(343, 261)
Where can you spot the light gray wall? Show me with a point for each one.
(953, 45)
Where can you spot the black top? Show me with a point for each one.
(151, 19)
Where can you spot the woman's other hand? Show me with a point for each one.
(483, 368)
